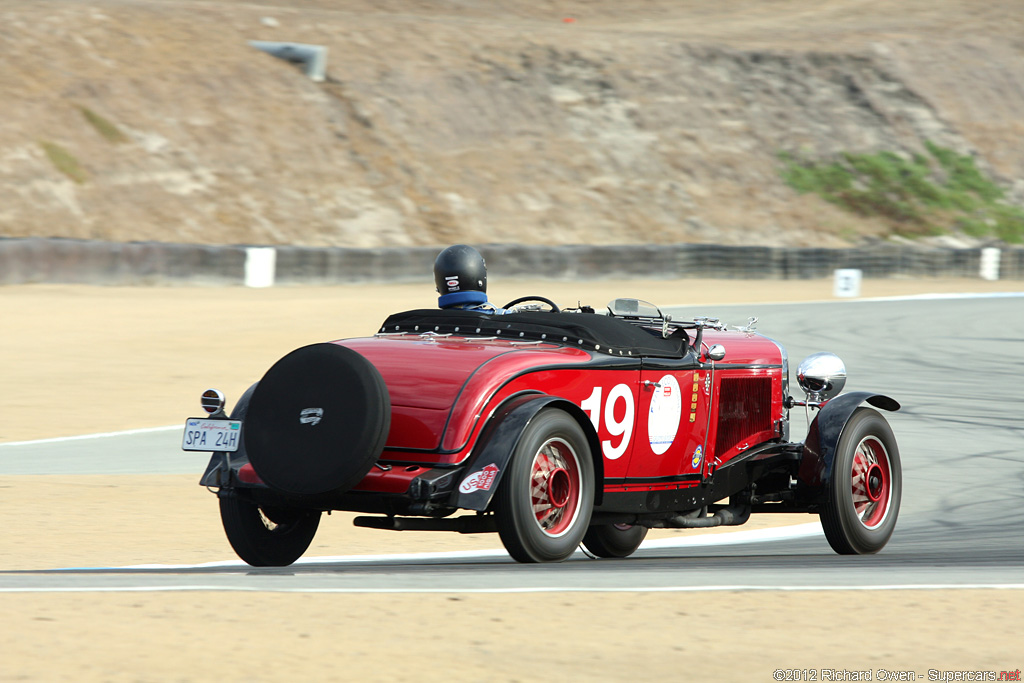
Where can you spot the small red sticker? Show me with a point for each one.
(481, 480)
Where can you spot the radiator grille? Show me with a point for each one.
(744, 409)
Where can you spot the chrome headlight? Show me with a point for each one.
(821, 375)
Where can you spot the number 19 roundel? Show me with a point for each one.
(619, 394)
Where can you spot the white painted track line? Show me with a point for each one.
(528, 589)
(101, 435)
(785, 533)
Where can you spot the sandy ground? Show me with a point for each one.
(79, 360)
(559, 637)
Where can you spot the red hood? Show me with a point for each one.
(429, 379)
(745, 348)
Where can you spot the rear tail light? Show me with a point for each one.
(212, 401)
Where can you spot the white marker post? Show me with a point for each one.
(847, 282)
(990, 263)
(260, 264)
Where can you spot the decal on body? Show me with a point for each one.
(481, 480)
(663, 418)
(693, 399)
(620, 393)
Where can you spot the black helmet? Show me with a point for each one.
(460, 275)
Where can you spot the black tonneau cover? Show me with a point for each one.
(590, 331)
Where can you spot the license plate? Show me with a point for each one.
(205, 434)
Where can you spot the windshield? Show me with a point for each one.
(633, 308)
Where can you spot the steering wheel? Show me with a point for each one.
(545, 300)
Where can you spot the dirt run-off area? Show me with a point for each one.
(91, 359)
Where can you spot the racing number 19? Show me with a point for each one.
(624, 427)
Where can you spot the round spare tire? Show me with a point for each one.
(317, 421)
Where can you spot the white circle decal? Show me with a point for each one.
(663, 419)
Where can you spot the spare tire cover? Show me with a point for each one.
(317, 421)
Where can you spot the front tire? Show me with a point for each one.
(266, 536)
(546, 497)
(862, 497)
(614, 540)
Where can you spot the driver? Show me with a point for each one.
(460, 276)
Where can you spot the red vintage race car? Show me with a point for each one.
(552, 428)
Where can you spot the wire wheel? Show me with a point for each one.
(861, 499)
(872, 482)
(555, 487)
(546, 496)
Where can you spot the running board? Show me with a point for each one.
(467, 524)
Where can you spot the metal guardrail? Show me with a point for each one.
(50, 260)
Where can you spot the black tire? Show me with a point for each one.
(614, 540)
(864, 490)
(546, 496)
(317, 421)
(266, 537)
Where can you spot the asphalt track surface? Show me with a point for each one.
(955, 365)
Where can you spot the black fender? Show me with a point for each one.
(826, 429)
(498, 441)
(218, 471)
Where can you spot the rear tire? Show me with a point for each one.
(546, 496)
(862, 497)
(266, 537)
(614, 540)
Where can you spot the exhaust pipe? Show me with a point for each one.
(733, 515)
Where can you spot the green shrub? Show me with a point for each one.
(1009, 223)
(64, 161)
(964, 176)
(916, 194)
(107, 129)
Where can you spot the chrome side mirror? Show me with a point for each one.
(821, 375)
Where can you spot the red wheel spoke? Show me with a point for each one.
(870, 501)
(549, 463)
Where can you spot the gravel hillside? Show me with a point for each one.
(611, 121)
